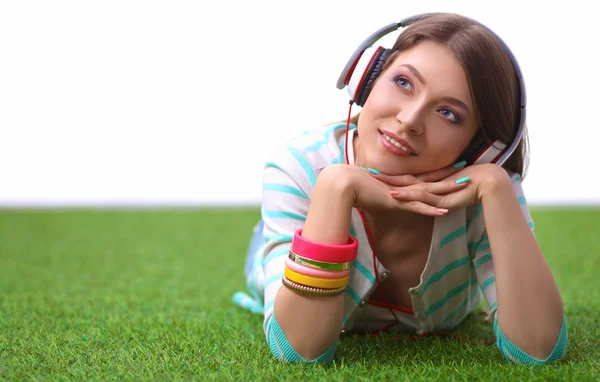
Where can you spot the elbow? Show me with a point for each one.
(292, 356)
(538, 353)
(285, 353)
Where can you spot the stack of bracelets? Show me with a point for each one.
(315, 269)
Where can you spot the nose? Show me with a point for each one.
(410, 118)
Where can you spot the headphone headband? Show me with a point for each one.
(494, 153)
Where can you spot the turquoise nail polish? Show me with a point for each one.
(462, 180)
(460, 164)
(373, 171)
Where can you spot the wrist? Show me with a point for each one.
(496, 182)
(337, 182)
(328, 219)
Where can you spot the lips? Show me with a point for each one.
(396, 144)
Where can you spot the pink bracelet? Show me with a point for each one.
(314, 272)
(324, 252)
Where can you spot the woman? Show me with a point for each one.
(403, 218)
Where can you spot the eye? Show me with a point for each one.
(403, 82)
(450, 115)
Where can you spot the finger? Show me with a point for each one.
(419, 196)
(420, 208)
(460, 198)
(443, 173)
(438, 188)
(397, 180)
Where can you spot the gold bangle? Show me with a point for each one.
(322, 265)
(315, 282)
(308, 291)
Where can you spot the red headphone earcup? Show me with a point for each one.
(365, 72)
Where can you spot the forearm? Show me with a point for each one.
(312, 324)
(530, 309)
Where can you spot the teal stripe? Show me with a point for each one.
(304, 163)
(273, 164)
(494, 305)
(350, 292)
(483, 247)
(352, 232)
(454, 235)
(483, 259)
(475, 215)
(247, 302)
(274, 255)
(448, 296)
(514, 354)
(471, 245)
(474, 244)
(285, 189)
(458, 308)
(531, 225)
(274, 214)
(439, 275)
(488, 282)
(521, 200)
(342, 157)
(337, 160)
(269, 305)
(325, 139)
(304, 133)
(273, 279)
(364, 271)
(278, 238)
(517, 178)
(345, 319)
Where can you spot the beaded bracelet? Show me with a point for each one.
(308, 291)
(315, 282)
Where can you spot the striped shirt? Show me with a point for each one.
(459, 271)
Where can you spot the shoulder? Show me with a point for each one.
(311, 151)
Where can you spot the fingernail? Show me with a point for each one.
(371, 170)
(442, 210)
(460, 164)
(462, 180)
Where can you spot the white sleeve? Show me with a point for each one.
(288, 181)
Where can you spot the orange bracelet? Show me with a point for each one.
(315, 282)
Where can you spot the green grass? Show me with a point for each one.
(126, 294)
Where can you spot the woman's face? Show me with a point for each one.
(419, 116)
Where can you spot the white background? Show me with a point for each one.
(178, 102)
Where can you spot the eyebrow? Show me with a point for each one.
(420, 77)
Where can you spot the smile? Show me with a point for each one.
(394, 146)
(397, 144)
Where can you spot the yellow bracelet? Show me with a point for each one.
(315, 282)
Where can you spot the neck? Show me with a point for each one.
(384, 221)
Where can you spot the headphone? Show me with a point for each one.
(366, 64)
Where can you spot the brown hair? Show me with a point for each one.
(492, 78)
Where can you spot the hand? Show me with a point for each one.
(378, 191)
(476, 180)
